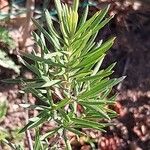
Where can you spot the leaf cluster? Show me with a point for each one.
(69, 74)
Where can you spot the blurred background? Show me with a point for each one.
(131, 51)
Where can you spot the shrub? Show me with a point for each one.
(6, 43)
(68, 75)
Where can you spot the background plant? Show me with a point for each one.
(68, 75)
(6, 43)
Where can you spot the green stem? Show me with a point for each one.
(67, 142)
(49, 97)
(75, 107)
(69, 82)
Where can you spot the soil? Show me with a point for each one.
(131, 52)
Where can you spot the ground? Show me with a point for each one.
(132, 125)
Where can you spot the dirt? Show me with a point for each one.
(132, 129)
(131, 52)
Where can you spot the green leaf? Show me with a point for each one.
(50, 25)
(90, 44)
(99, 87)
(86, 24)
(15, 81)
(59, 9)
(39, 41)
(109, 68)
(106, 93)
(77, 132)
(64, 115)
(94, 56)
(52, 30)
(40, 59)
(49, 38)
(74, 22)
(81, 74)
(96, 102)
(30, 67)
(78, 50)
(36, 107)
(66, 19)
(62, 103)
(39, 94)
(38, 145)
(20, 80)
(98, 65)
(94, 116)
(41, 84)
(95, 77)
(3, 107)
(13, 146)
(84, 16)
(42, 117)
(103, 47)
(50, 133)
(102, 24)
(87, 123)
(96, 108)
(75, 5)
(97, 21)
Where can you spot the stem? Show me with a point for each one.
(50, 97)
(67, 142)
(75, 107)
(27, 133)
(26, 28)
(29, 140)
(69, 82)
